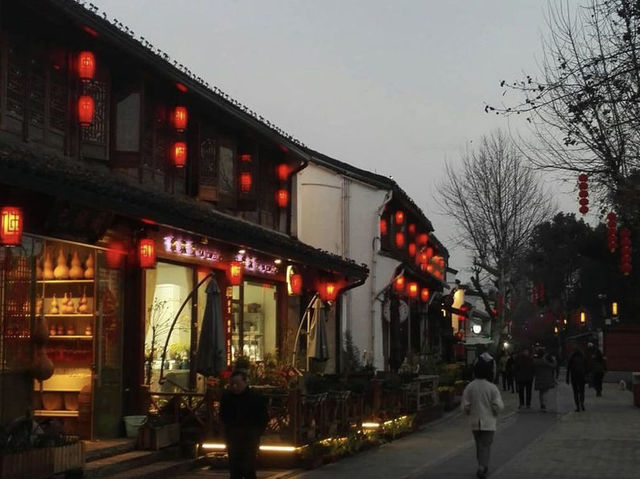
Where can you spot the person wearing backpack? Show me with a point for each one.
(576, 373)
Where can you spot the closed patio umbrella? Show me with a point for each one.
(319, 345)
(210, 357)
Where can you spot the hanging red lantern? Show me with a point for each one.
(179, 154)
(330, 291)
(412, 229)
(398, 284)
(115, 254)
(295, 283)
(383, 226)
(283, 171)
(146, 253)
(235, 273)
(412, 249)
(246, 181)
(399, 240)
(413, 290)
(423, 238)
(180, 118)
(584, 210)
(282, 198)
(612, 237)
(429, 253)
(583, 193)
(86, 110)
(12, 226)
(422, 258)
(425, 294)
(399, 217)
(86, 66)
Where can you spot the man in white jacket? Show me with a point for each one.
(481, 401)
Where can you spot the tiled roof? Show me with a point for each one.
(94, 185)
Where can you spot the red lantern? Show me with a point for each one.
(86, 109)
(583, 193)
(583, 177)
(246, 181)
(295, 283)
(12, 225)
(398, 284)
(282, 198)
(583, 201)
(423, 238)
(429, 253)
(413, 290)
(246, 158)
(283, 171)
(584, 210)
(425, 294)
(412, 229)
(330, 292)
(399, 216)
(399, 240)
(180, 118)
(86, 65)
(383, 226)
(115, 254)
(179, 154)
(412, 249)
(146, 253)
(422, 258)
(235, 273)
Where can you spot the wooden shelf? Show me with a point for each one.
(76, 315)
(55, 413)
(71, 336)
(65, 281)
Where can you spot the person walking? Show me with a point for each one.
(597, 367)
(502, 369)
(481, 401)
(244, 416)
(524, 373)
(544, 366)
(510, 380)
(576, 373)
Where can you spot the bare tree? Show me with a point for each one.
(585, 108)
(496, 201)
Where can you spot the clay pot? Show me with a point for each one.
(76, 271)
(62, 270)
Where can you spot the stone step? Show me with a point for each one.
(108, 466)
(166, 469)
(100, 449)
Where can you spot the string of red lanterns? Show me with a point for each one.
(245, 176)
(282, 194)
(583, 193)
(625, 251)
(86, 66)
(612, 236)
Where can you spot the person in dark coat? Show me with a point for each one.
(577, 374)
(523, 374)
(544, 370)
(597, 367)
(509, 373)
(244, 416)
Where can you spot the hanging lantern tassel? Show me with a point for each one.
(583, 193)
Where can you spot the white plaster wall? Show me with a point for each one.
(341, 216)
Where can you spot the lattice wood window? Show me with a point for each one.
(96, 132)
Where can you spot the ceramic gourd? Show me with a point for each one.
(47, 270)
(76, 271)
(89, 272)
(83, 307)
(62, 270)
(88, 331)
(54, 309)
(67, 305)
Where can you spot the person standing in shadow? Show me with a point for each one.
(577, 375)
(597, 367)
(244, 417)
(481, 401)
(523, 372)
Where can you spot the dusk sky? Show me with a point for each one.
(396, 87)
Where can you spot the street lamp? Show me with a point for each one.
(614, 310)
(583, 318)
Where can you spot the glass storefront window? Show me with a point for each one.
(254, 311)
(167, 286)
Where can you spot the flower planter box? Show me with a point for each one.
(42, 462)
(157, 437)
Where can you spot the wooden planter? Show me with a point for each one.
(42, 462)
(157, 437)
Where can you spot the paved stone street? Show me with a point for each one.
(603, 442)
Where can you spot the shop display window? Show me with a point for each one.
(254, 310)
(167, 287)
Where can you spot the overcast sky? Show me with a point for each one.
(393, 86)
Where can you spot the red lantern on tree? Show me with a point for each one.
(235, 273)
(86, 110)
(423, 238)
(422, 258)
(399, 240)
(413, 290)
(425, 294)
(412, 249)
(11, 226)
(282, 198)
(398, 284)
(612, 236)
(583, 193)
(86, 65)
(179, 154)
(146, 253)
(180, 118)
(399, 217)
